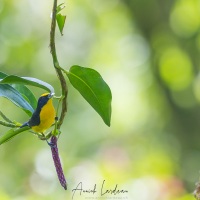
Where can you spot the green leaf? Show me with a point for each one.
(12, 79)
(60, 7)
(60, 18)
(3, 75)
(13, 95)
(12, 133)
(19, 83)
(26, 93)
(93, 88)
(13, 88)
(61, 22)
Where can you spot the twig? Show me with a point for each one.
(57, 66)
(8, 124)
(5, 118)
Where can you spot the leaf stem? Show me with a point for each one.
(8, 124)
(5, 118)
(57, 66)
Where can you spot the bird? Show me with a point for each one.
(43, 116)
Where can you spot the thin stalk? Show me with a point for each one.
(8, 124)
(57, 66)
(63, 99)
(5, 118)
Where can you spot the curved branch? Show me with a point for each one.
(57, 66)
(8, 124)
(5, 118)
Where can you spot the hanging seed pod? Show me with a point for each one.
(57, 163)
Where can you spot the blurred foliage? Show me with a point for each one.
(148, 53)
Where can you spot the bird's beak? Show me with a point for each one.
(51, 95)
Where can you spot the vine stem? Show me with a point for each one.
(57, 66)
(53, 143)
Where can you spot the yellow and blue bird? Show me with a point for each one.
(44, 115)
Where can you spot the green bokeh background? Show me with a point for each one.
(148, 53)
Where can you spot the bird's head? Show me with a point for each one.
(44, 98)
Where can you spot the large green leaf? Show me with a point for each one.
(3, 75)
(18, 83)
(12, 79)
(11, 133)
(26, 93)
(13, 95)
(93, 88)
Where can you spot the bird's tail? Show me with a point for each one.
(24, 124)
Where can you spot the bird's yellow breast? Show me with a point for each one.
(47, 117)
